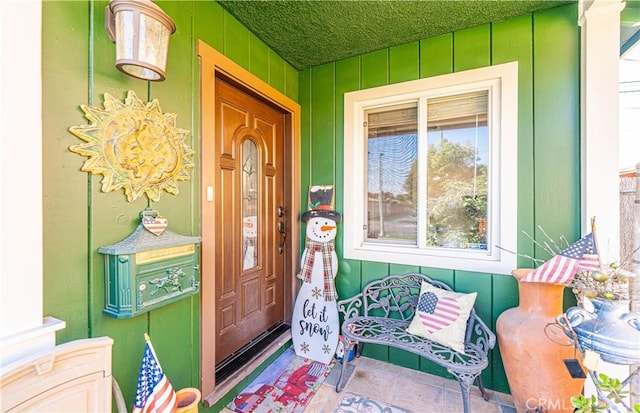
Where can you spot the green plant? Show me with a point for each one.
(610, 387)
(585, 404)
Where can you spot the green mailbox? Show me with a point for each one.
(146, 271)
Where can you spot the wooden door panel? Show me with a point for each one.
(267, 132)
(227, 283)
(231, 119)
(270, 296)
(250, 298)
(249, 286)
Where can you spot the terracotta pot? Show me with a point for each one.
(188, 399)
(533, 352)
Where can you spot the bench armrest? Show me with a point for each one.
(480, 336)
(350, 307)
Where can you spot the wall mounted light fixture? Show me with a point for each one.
(141, 32)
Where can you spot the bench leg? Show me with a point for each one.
(348, 345)
(485, 395)
(466, 381)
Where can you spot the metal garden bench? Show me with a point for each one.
(382, 312)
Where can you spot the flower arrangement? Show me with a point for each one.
(592, 278)
(610, 282)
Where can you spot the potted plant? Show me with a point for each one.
(602, 289)
(602, 321)
(602, 328)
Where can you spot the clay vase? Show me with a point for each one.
(188, 399)
(533, 351)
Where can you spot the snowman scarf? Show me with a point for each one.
(307, 266)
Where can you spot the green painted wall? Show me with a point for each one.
(78, 68)
(546, 45)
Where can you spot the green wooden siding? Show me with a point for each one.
(323, 110)
(511, 41)
(436, 56)
(471, 48)
(78, 68)
(347, 79)
(546, 46)
(68, 292)
(404, 62)
(556, 111)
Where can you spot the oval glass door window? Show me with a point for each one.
(250, 173)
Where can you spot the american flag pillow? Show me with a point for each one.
(441, 316)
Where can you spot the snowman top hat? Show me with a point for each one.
(321, 203)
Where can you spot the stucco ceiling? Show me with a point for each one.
(307, 33)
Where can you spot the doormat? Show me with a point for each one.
(286, 386)
(355, 403)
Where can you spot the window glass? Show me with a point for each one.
(392, 154)
(250, 174)
(457, 171)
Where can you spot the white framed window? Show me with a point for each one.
(431, 171)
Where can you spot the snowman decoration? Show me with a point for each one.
(315, 324)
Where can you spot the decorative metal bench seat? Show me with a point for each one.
(382, 312)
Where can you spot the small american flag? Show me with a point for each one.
(437, 313)
(563, 267)
(154, 393)
(590, 260)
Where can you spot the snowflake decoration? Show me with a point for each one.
(316, 292)
(304, 347)
(326, 349)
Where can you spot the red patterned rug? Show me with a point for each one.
(287, 385)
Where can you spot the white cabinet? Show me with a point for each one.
(71, 377)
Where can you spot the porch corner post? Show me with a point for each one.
(600, 45)
(599, 129)
(634, 285)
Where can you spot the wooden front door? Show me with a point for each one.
(228, 290)
(249, 194)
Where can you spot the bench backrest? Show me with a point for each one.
(396, 296)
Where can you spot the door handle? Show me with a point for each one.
(283, 236)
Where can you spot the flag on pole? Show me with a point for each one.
(563, 267)
(154, 393)
(590, 260)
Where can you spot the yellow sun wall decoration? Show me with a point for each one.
(134, 146)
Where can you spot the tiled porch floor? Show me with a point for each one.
(406, 388)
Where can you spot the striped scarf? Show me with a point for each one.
(307, 266)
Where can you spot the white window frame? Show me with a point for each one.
(502, 83)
